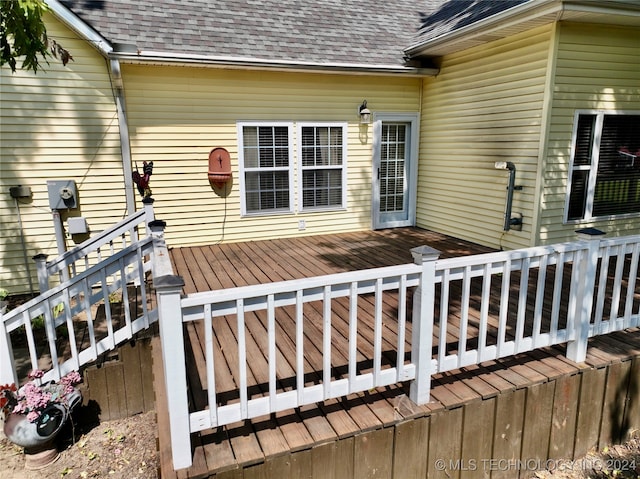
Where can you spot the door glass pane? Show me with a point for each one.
(392, 173)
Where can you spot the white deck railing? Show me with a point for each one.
(447, 314)
(78, 316)
(74, 335)
(505, 303)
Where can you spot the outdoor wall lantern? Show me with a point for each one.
(365, 113)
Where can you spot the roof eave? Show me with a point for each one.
(522, 17)
(205, 61)
(74, 22)
(519, 14)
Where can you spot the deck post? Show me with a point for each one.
(41, 271)
(422, 323)
(583, 300)
(168, 290)
(160, 263)
(148, 210)
(7, 371)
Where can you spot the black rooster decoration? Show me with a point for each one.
(142, 181)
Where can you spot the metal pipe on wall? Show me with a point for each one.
(508, 220)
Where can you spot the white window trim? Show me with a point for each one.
(344, 126)
(241, 168)
(593, 167)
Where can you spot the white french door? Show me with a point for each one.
(394, 170)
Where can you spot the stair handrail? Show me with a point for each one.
(45, 269)
(60, 294)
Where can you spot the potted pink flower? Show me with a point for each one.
(36, 412)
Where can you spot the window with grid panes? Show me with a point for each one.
(266, 168)
(605, 168)
(322, 163)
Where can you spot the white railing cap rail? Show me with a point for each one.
(629, 242)
(288, 286)
(512, 255)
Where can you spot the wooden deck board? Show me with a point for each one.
(317, 425)
(272, 439)
(237, 264)
(217, 450)
(486, 373)
(245, 444)
(364, 418)
(461, 389)
(474, 379)
(338, 417)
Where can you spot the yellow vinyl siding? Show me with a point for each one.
(60, 123)
(486, 105)
(598, 67)
(177, 115)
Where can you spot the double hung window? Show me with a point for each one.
(269, 153)
(605, 166)
(266, 167)
(322, 161)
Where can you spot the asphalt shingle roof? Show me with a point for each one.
(324, 31)
(452, 15)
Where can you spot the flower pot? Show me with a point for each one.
(37, 437)
(19, 430)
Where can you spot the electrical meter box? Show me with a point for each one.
(62, 194)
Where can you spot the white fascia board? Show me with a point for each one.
(168, 58)
(535, 9)
(518, 14)
(81, 28)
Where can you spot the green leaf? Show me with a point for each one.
(23, 35)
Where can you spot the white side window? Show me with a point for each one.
(604, 177)
(266, 167)
(322, 159)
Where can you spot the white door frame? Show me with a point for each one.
(411, 164)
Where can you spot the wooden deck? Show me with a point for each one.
(227, 450)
